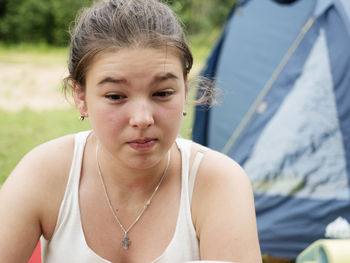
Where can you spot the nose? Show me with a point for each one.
(141, 115)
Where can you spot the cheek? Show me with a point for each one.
(172, 113)
(105, 117)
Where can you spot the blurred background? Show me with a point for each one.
(283, 67)
(33, 54)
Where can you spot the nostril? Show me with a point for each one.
(141, 114)
(142, 121)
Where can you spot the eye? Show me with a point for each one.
(163, 93)
(115, 97)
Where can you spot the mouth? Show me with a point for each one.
(142, 144)
(142, 140)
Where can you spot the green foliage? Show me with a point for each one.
(28, 20)
(48, 21)
(201, 44)
(201, 16)
(64, 12)
(36, 21)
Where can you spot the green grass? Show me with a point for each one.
(21, 131)
(40, 54)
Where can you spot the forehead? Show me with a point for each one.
(135, 62)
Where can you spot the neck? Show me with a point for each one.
(129, 184)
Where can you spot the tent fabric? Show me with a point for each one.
(284, 71)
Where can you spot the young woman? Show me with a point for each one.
(129, 190)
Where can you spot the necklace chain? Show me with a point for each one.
(126, 241)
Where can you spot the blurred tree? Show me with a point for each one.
(34, 21)
(48, 20)
(64, 12)
(3, 7)
(38, 20)
(202, 15)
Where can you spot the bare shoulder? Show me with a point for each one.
(46, 160)
(219, 169)
(42, 172)
(31, 196)
(223, 210)
(219, 179)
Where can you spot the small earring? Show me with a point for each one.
(82, 117)
(184, 113)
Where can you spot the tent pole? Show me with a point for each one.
(268, 85)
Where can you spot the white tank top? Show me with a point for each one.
(68, 242)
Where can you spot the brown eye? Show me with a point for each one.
(115, 97)
(163, 94)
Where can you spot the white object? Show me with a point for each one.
(339, 228)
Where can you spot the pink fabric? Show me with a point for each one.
(36, 257)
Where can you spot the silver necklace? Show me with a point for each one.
(126, 241)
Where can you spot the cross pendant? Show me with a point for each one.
(126, 242)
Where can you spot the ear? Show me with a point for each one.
(80, 99)
(186, 85)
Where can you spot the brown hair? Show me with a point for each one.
(116, 24)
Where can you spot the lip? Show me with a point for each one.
(142, 144)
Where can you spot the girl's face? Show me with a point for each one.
(134, 99)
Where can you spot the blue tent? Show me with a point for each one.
(284, 71)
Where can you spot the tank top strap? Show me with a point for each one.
(189, 177)
(185, 148)
(72, 187)
(194, 170)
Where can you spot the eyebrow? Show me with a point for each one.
(112, 80)
(165, 77)
(156, 79)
